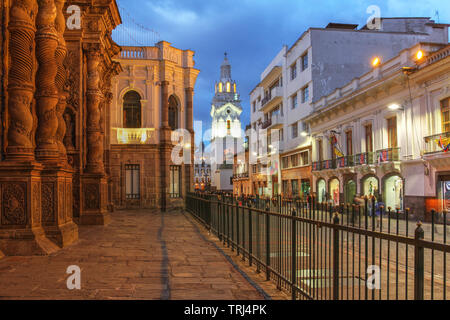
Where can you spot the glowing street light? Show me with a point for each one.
(395, 107)
(376, 62)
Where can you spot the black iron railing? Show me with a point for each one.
(437, 143)
(388, 155)
(365, 158)
(318, 251)
(329, 164)
(346, 161)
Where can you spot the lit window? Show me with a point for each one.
(175, 181)
(234, 87)
(445, 115)
(220, 87)
(228, 87)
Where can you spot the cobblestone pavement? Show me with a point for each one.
(140, 255)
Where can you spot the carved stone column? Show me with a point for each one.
(56, 190)
(47, 95)
(21, 231)
(189, 168)
(165, 146)
(94, 181)
(61, 75)
(94, 96)
(21, 80)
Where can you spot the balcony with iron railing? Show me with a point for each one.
(134, 136)
(345, 161)
(329, 164)
(317, 166)
(438, 143)
(274, 97)
(242, 175)
(388, 155)
(365, 158)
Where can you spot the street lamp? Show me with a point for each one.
(396, 107)
(376, 62)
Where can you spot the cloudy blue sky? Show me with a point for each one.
(252, 32)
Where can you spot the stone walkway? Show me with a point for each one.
(140, 255)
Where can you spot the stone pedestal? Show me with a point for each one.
(21, 231)
(57, 205)
(94, 198)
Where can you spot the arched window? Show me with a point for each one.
(228, 87)
(173, 113)
(132, 110)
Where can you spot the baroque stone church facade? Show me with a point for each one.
(226, 133)
(59, 152)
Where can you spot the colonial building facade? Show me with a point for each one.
(151, 126)
(386, 134)
(320, 61)
(55, 97)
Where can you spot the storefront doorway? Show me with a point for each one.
(370, 186)
(350, 191)
(334, 191)
(321, 190)
(393, 192)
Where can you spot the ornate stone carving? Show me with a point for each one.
(61, 204)
(48, 202)
(47, 95)
(61, 53)
(36, 205)
(69, 205)
(91, 196)
(14, 204)
(21, 78)
(70, 131)
(72, 66)
(94, 136)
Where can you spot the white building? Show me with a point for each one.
(226, 134)
(320, 61)
(391, 126)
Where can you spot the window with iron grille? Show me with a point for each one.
(132, 181)
(175, 182)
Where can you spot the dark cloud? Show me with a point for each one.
(252, 32)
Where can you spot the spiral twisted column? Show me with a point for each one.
(94, 96)
(21, 79)
(47, 95)
(60, 55)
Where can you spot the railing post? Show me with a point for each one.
(267, 244)
(419, 234)
(250, 238)
(237, 232)
(336, 257)
(294, 255)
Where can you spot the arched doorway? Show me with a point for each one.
(370, 186)
(173, 113)
(334, 190)
(393, 191)
(132, 110)
(350, 191)
(321, 191)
